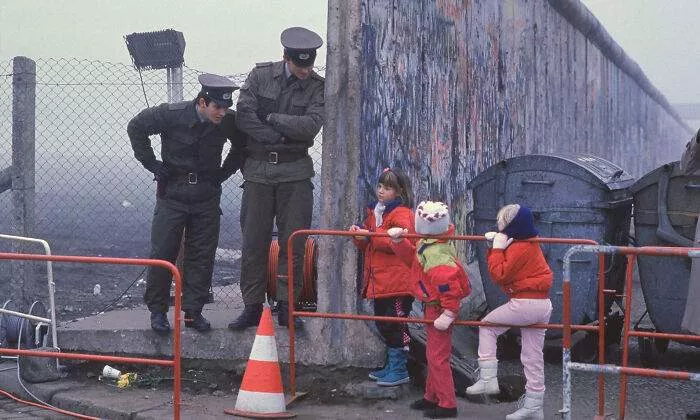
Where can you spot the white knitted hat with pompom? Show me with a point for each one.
(432, 218)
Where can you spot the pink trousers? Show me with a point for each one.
(520, 312)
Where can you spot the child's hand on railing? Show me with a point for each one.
(396, 234)
(355, 228)
(489, 238)
(445, 319)
(501, 241)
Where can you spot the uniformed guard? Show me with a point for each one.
(280, 109)
(189, 177)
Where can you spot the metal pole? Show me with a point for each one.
(23, 140)
(174, 88)
(31, 317)
(174, 81)
(601, 332)
(631, 259)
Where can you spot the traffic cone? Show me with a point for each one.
(261, 394)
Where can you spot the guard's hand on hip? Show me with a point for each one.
(396, 234)
(501, 241)
(444, 321)
(159, 170)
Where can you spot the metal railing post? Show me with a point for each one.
(175, 362)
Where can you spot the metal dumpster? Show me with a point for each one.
(571, 196)
(666, 206)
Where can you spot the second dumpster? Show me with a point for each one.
(571, 196)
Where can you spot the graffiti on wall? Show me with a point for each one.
(451, 87)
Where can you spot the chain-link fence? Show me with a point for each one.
(92, 196)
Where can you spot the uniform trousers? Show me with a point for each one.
(290, 206)
(201, 221)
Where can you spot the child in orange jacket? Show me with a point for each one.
(385, 276)
(441, 283)
(519, 268)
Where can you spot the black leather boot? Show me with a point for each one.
(422, 404)
(283, 315)
(440, 413)
(197, 321)
(250, 317)
(159, 322)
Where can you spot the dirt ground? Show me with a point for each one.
(322, 385)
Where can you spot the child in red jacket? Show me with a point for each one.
(521, 271)
(441, 283)
(386, 277)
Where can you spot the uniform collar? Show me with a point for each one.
(200, 117)
(279, 71)
(194, 114)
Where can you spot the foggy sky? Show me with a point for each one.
(227, 36)
(222, 36)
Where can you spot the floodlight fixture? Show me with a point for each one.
(156, 50)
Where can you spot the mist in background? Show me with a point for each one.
(223, 36)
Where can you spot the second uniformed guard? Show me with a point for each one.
(189, 177)
(280, 109)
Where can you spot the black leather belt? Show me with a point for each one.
(274, 158)
(192, 178)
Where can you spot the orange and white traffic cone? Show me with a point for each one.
(261, 394)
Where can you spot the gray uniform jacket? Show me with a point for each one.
(296, 116)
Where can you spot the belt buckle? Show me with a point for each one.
(272, 158)
(192, 178)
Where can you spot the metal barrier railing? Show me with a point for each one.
(601, 368)
(292, 313)
(52, 286)
(174, 362)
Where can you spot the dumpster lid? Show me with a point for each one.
(672, 168)
(592, 168)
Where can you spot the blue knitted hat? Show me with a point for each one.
(522, 226)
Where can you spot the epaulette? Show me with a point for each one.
(264, 64)
(178, 106)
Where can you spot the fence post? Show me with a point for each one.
(23, 282)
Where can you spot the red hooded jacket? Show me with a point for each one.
(520, 270)
(384, 274)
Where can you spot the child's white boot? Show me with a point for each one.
(488, 379)
(530, 407)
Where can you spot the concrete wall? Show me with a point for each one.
(445, 89)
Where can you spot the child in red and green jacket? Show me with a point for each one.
(385, 276)
(441, 283)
